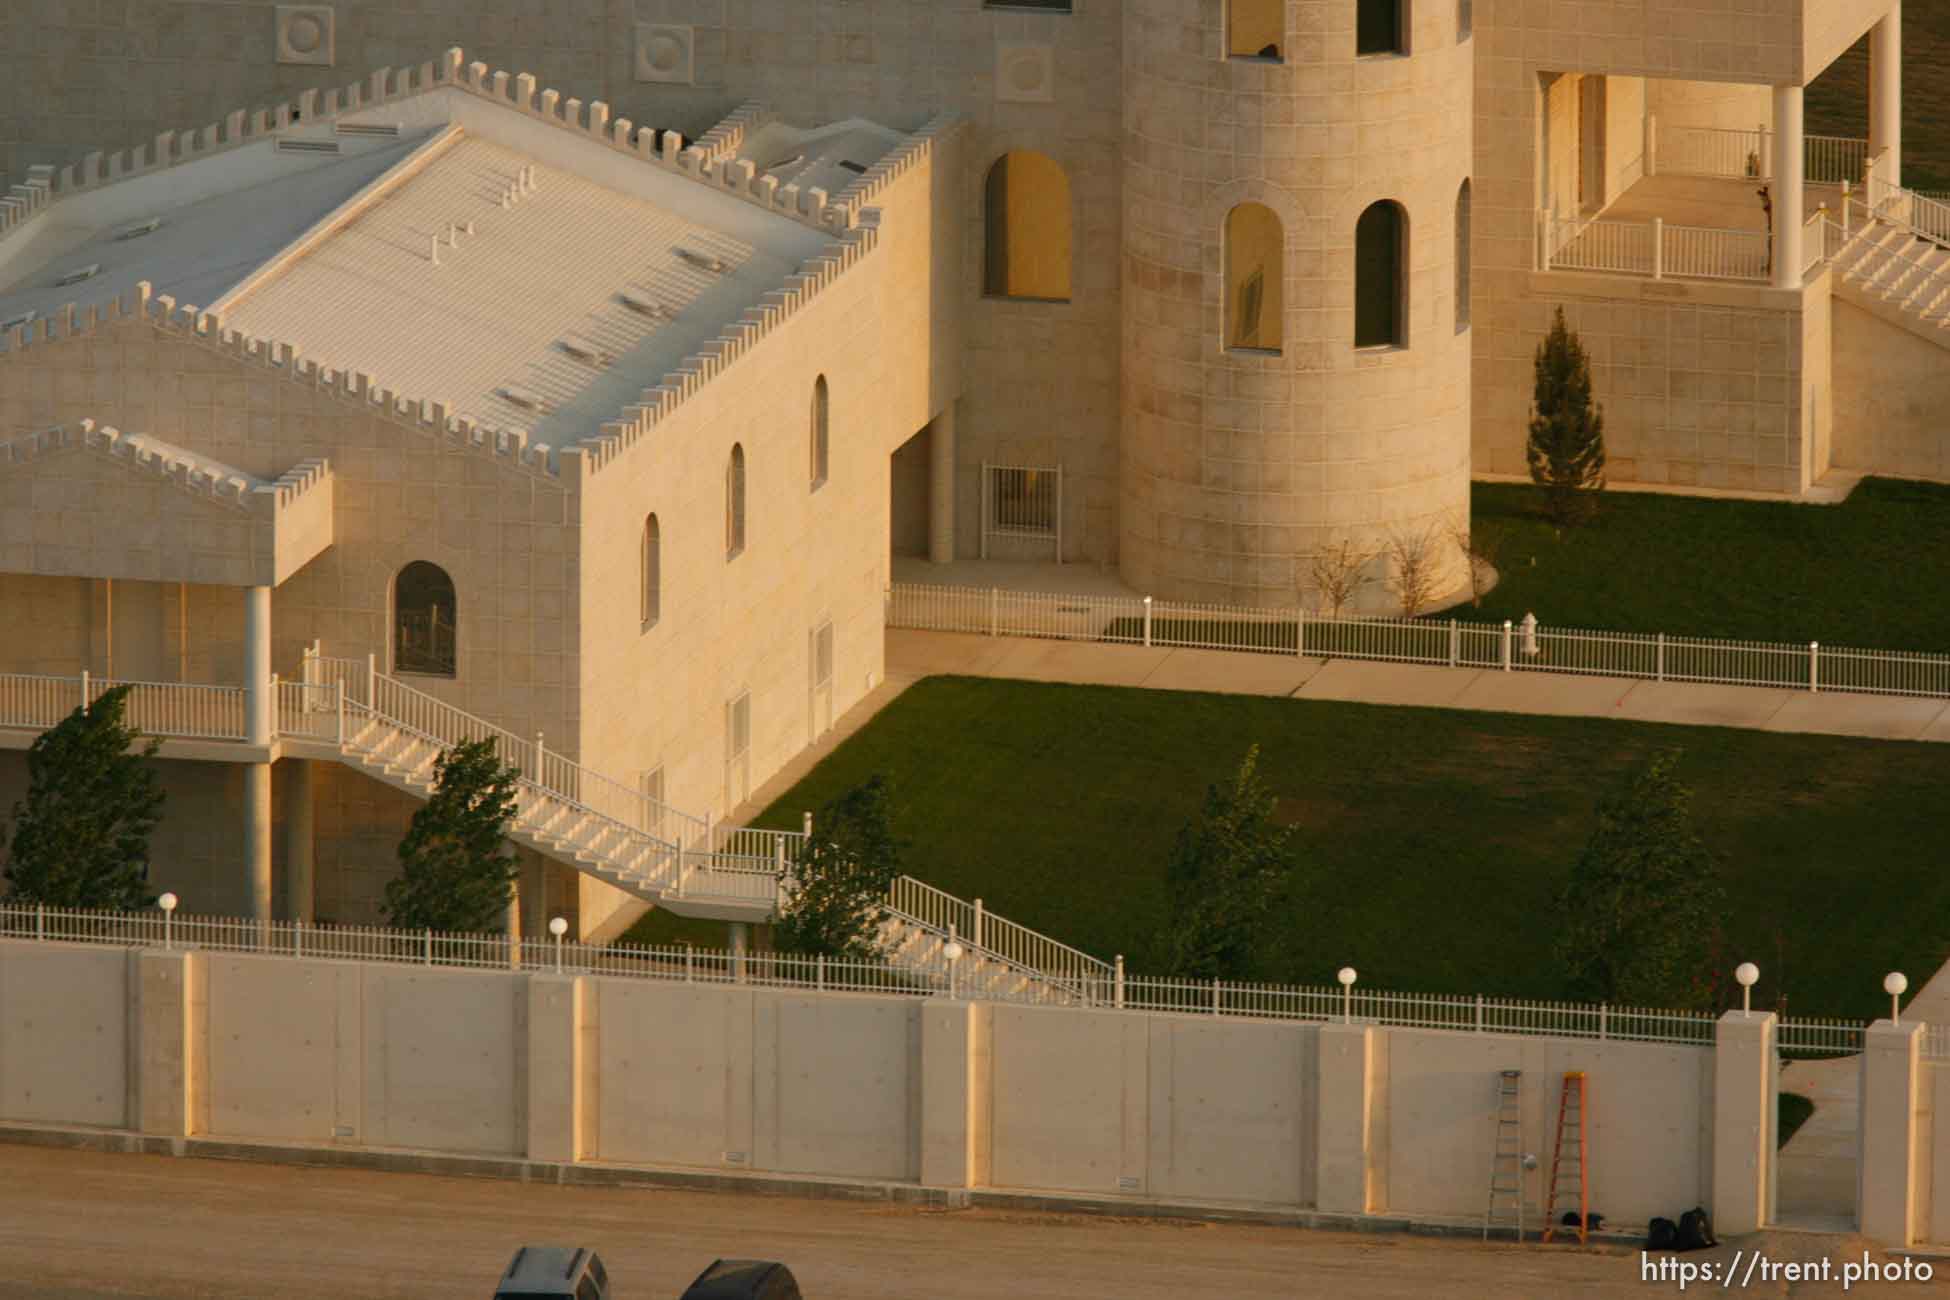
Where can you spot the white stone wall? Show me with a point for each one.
(1235, 463)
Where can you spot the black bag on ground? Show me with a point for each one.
(1695, 1230)
(1662, 1234)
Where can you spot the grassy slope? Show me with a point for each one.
(1870, 572)
(1838, 101)
(1435, 840)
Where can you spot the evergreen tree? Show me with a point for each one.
(834, 897)
(1566, 450)
(81, 838)
(1638, 920)
(1229, 868)
(454, 873)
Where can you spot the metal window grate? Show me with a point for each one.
(1022, 501)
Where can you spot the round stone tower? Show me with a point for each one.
(1273, 407)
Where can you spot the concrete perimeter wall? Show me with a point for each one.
(904, 1090)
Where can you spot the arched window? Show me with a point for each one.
(653, 571)
(734, 503)
(1462, 258)
(1255, 29)
(1381, 27)
(425, 620)
(1380, 240)
(1028, 228)
(1255, 262)
(821, 444)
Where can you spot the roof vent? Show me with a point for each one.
(643, 304)
(308, 146)
(15, 322)
(583, 349)
(368, 128)
(858, 169)
(149, 227)
(704, 260)
(80, 273)
(523, 398)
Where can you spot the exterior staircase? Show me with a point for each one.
(395, 734)
(1895, 264)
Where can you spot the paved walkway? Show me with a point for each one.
(912, 655)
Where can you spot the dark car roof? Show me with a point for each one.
(744, 1279)
(548, 1270)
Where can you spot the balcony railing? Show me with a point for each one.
(175, 710)
(1655, 249)
(1749, 155)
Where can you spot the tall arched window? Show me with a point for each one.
(1381, 27)
(734, 503)
(1028, 228)
(821, 443)
(653, 571)
(1255, 269)
(425, 621)
(1380, 298)
(1462, 258)
(1255, 29)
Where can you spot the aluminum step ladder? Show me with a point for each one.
(1506, 1157)
(1569, 1174)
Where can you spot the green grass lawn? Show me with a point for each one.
(1434, 841)
(1871, 572)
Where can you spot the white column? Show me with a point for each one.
(1787, 187)
(1743, 1099)
(257, 665)
(1889, 1175)
(1886, 90)
(299, 853)
(257, 731)
(941, 487)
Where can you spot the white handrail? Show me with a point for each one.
(998, 938)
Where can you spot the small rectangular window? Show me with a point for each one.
(1379, 28)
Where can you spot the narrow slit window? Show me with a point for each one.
(1380, 293)
(653, 572)
(734, 503)
(821, 438)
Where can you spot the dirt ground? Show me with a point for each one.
(76, 1224)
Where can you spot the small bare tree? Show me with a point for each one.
(1338, 573)
(1479, 550)
(1413, 557)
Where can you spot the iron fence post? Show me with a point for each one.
(1508, 629)
(84, 690)
(1299, 631)
(426, 951)
(1814, 665)
(1455, 642)
(1659, 671)
(1119, 985)
(1604, 1016)
(995, 611)
(1215, 995)
(340, 689)
(1147, 621)
(40, 921)
(820, 973)
(1479, 1013)
(978, 923)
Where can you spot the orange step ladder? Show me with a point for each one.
(1569, 1164)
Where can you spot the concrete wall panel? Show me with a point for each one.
(64, 1034)
(442, 1059)
(275, 1041)
(846, 1081)
(665, 1058)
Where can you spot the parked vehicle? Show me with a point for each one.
(744, 1279)
(556, 1273)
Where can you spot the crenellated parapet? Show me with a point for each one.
(856, 198)
(353, 388)
(740, 337)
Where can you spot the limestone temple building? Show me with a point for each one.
(586, 389)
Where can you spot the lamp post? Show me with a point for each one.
(1747, 973)
(1894, 984)
(1347, 977)
(168, 905)
(558, 927)
(953, 952)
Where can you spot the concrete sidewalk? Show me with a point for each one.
(912, 655)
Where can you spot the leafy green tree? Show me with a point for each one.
(454, 872)
(1566, 450)
(834, 896)
(1638, 918)
(81, 838)
(1228, 871)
